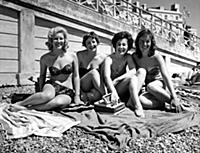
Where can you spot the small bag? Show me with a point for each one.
(105, 105)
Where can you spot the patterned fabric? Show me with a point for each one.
(61, 89)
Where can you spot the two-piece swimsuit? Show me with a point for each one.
(67, 69)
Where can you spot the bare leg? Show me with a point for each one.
(134, 101)
(47, 94)
(92, 85)
(134, 87)
(60, 101)
(156, 88)
(149, 101)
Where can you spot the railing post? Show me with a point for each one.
(140, 18)
(97, 5)
(114, 9)
(151, 22)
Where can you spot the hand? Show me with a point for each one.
(116, 81)
(77, 100)
(114, 97)
(177, 104)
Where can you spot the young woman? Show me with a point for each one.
(90, 60)
(118, 80)
(63, 67)
(158, 85)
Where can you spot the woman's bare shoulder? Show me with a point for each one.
(71, 54)
(109, 57)
(158, 56)
(45, 56)
(81, 52)
(134, 55)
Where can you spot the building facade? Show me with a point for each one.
(24, 25)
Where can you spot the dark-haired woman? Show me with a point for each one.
(90, 59)
(120, 81)
(158, 83)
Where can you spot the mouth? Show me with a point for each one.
(92, 48)
(59, 45)
(122, 51)
(146, 47)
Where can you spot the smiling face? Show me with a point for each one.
(91, 44)
(122, 46)
(58, 41)
(145, 44)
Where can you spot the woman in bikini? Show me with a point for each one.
(90, 59)
(158, 84)
(64, 84)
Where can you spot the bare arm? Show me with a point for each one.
(166, 76)
(76, 79)
(132, 69)
(107, 77)
(174, 100)
(43, 70)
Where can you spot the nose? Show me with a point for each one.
(59, 40)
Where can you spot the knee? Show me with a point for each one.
(133, 80)
(46, 96)
(141, 72)
(151, 87)
(95, 73)
(61, 102)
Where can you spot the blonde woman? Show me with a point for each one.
(63, 88)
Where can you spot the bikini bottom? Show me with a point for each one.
(61, 89)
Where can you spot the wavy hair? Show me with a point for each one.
(153, 43)
(90, 35)
(121, 35)
(51, 34)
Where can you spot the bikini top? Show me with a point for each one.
(67, 69)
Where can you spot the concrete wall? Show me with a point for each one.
(24, 25)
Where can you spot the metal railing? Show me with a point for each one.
(140, 18)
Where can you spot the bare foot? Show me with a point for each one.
(139, 112)
(77, 101)
(16, 107)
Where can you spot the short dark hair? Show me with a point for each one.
(153, 43)
(121, 35)
(90, 35)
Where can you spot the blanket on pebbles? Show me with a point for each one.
(23, 123)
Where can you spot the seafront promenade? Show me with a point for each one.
(25, 24)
